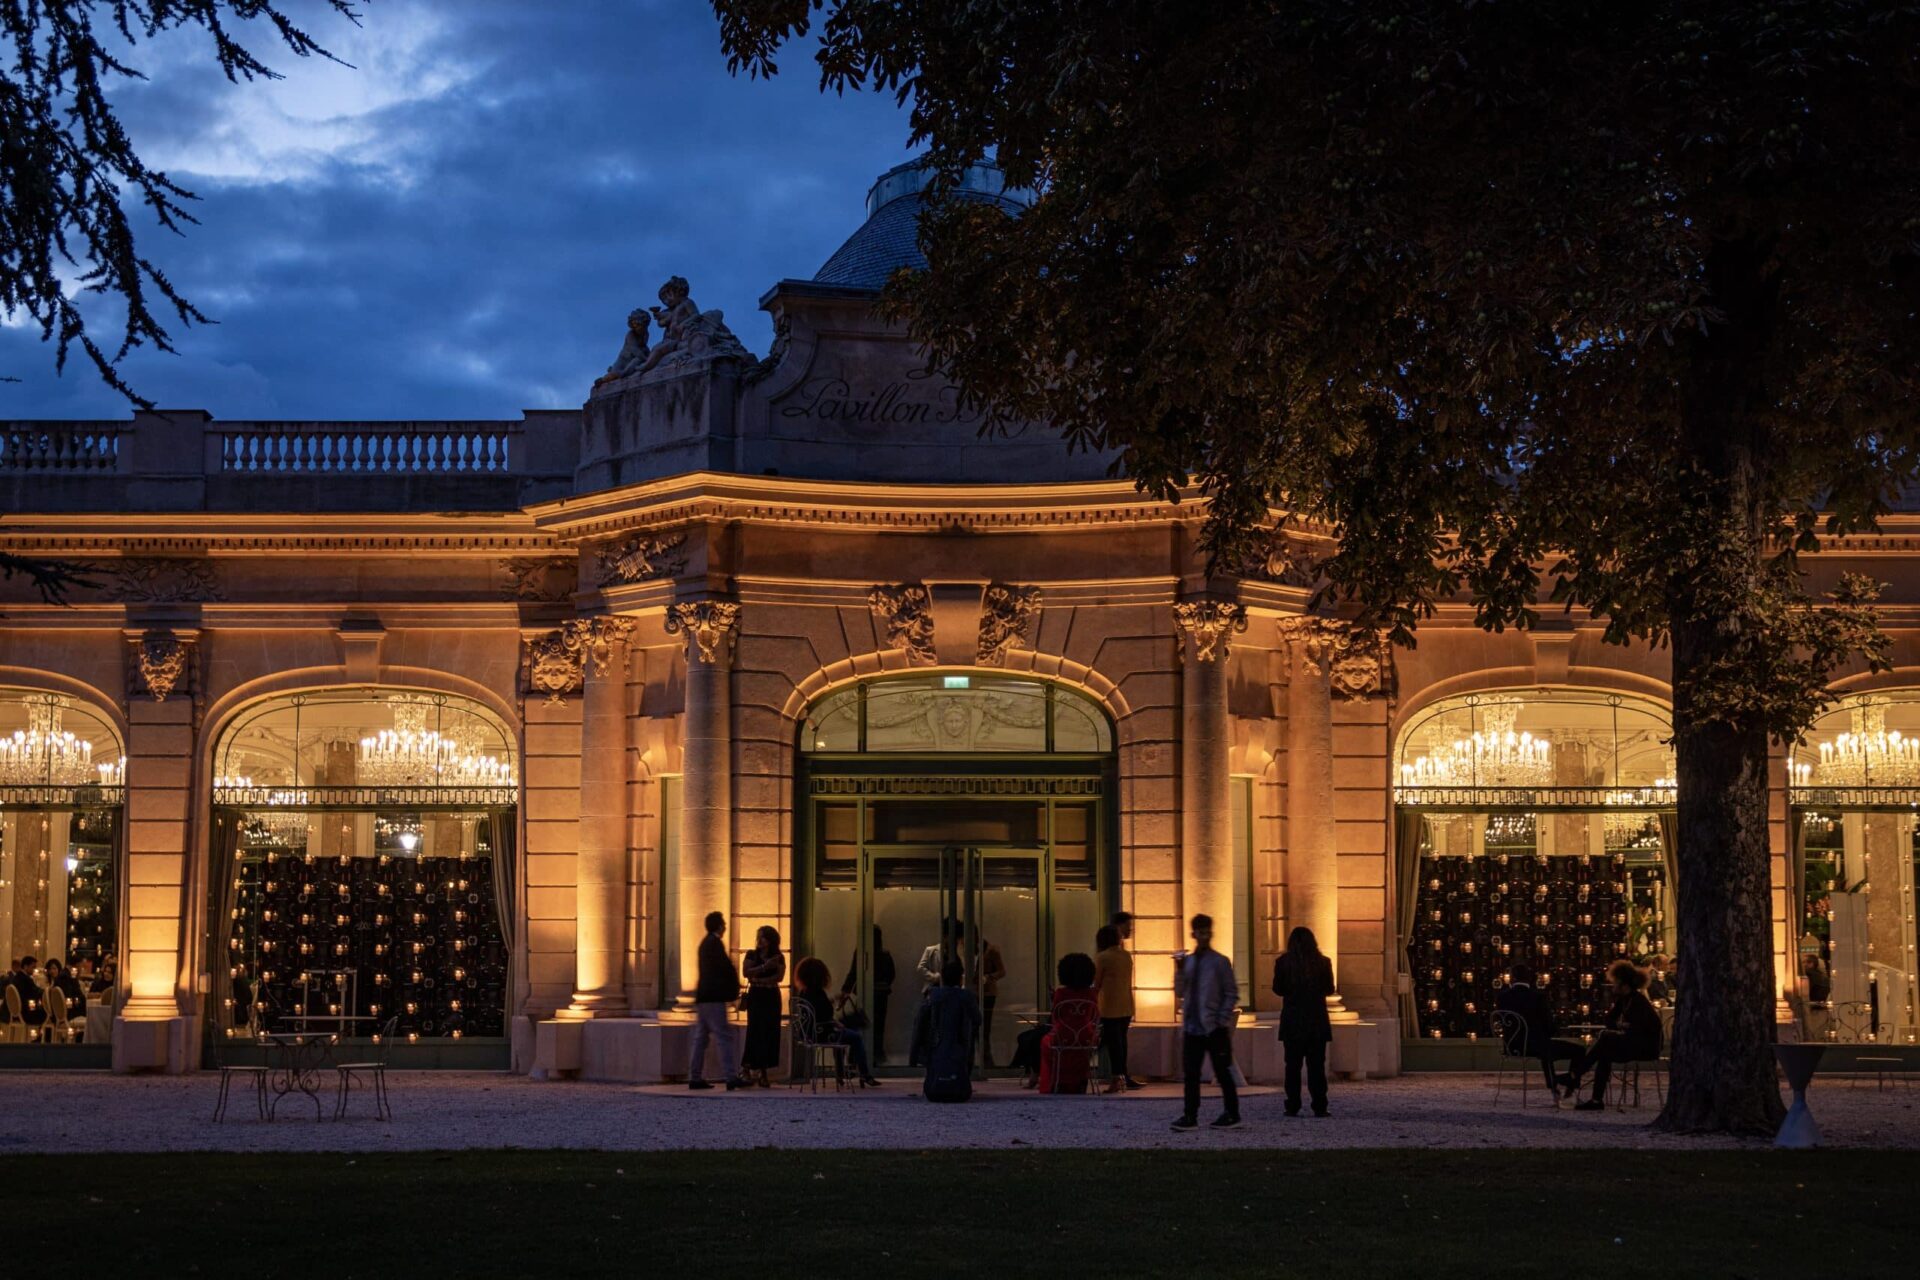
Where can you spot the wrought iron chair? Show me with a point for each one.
(375, 1072)
(1510, 1029)
(228, 1072)
(809, 1050)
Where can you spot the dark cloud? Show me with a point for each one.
(458, 227)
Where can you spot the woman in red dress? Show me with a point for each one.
(1075, 1030)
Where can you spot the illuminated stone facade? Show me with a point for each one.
(650, 592)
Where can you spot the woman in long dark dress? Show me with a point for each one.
(764, 968)
(1303, 979)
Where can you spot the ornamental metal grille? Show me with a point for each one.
(365, 797)
(1536, 799)
(995, 785)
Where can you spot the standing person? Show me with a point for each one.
(883, 975)
(718, 987)
(765, 968)
(1113, 989)
(1303, 979)
(1209, 1005)
(1123, 921)
(992, 969)
(952, 1016)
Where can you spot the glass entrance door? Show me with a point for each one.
(921, 906)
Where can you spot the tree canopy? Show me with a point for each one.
(71, 176)
(1605, 304)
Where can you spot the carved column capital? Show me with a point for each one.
(1358, 664)
(158, 661)
(1207, 627)
(710, 626)
(602, 640)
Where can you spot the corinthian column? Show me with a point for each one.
(706, 792)
(1206, 810)
(1313, 849)
(600, 919)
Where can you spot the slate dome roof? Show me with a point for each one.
(890, 237)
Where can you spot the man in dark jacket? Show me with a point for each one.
(1534, 1037)
(713, 996)
(1633, 1034)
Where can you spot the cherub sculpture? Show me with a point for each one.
(633, 352)
(688, 333)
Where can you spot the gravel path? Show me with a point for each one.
(47, 1112)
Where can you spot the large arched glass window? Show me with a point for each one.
(948, 816)
(1535, 834)
(62, 772)
(362, 851)
(1856, 792)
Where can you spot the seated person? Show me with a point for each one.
(33, 1008)
(813, 977)
(102, 981)
(58, 979)
(1534, 1037)
(1658, 987)
(1633, 1034)
(952, 1017)
(1075, 1023)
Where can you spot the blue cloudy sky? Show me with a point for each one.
(457, 226)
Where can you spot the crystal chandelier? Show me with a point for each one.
(1869, 755)
(411, 755)
(1495, 756)
(44, 754)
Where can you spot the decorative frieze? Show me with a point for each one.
(710, 627)
(160, 579)
(642, 558)
(1207, 627)
(540, 580)
(158, 661)
(1006, 613)
(1282, 560)
(907, 611)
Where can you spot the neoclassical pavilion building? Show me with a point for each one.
(463, 727)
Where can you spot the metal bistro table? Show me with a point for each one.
(296, 1060)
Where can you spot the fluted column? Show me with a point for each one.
(706, 792)
(1313, 847)
(1206, 738)
(600, 920)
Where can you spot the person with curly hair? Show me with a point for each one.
(1633, 1035)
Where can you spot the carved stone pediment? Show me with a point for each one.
(1005, 617)
(642, 558)
(1207, 628)
(907, 611)
(158, 662)
(710, 627)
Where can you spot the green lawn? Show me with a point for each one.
(746, 1215)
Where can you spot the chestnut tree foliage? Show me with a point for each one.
(1593, 304)
(71, 179)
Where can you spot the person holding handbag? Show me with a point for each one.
(765, 969)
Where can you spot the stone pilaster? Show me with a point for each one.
(706, 794)
(1313, 849)
(1206, 813)
(600, 921)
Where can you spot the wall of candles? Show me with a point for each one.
(397, 931)
(1567, 915)
(92, 908)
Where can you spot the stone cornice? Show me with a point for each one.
(203, 533)
(850, 505)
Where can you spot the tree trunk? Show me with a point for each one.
(1723, 1070)
(1723, 1078)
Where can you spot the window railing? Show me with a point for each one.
(1536, 799)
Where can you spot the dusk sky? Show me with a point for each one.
(458, 225)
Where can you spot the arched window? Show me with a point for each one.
(961, 714)
(363, 857)
(1535, 835)
(952, 815)
(62, 771)
(1855, 789)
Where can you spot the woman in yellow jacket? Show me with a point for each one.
(1113, 991)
